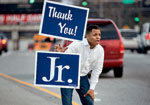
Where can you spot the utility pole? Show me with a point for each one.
(138, 19)
(101, 3)
(15, 39)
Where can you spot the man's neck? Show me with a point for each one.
(91, 46)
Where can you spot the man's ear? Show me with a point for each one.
(87, 35)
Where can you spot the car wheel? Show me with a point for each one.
(0, 52)
(145, 51)
(132, 50)
(6, 50)
(118, 72)
(140, 50)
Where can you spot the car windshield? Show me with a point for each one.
(2, 36)
(129, 34)
(108, 31)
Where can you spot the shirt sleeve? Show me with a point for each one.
(97, 68)
(72, 48)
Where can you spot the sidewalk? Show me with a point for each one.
(13, 93)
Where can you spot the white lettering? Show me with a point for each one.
(60, 69)
(61, 27)
(52, 69)
(50, 10)
(59, 15)
(67, 30)
(69, 15)
(54, 13)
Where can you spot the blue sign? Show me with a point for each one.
(63, 21)
(57, 69)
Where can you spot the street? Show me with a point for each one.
(132, 89)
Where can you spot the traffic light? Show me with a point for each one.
(31, 1)
(84, 3)
(128, 1)
(136, 19)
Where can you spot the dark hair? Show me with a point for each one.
(90, 27)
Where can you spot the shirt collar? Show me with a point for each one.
(86, 42)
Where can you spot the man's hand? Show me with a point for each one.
(59, 48)
(91, 93)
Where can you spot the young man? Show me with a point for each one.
(92, 57)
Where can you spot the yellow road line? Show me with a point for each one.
(39, 88)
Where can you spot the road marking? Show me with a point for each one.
(97, 99)
(95, 93)
(39, 88)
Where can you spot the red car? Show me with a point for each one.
(112, 43)
(3, 39)
(1, 47)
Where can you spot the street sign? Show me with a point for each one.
(128, 1)
(57, 69)
(63, 21)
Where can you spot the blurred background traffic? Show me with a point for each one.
(125, 27)
(20, 20)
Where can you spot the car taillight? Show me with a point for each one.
(122, 48)
(147, 37)
(67, 43)
(36, 44)
(4, 41)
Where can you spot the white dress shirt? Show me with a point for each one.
(91, 59)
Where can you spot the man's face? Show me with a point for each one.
(94, 37)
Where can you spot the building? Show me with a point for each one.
(20, 18)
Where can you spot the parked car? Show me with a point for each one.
(112, 43)
(145, 38)
(130, 39)
(1, 47)
(4, 42)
